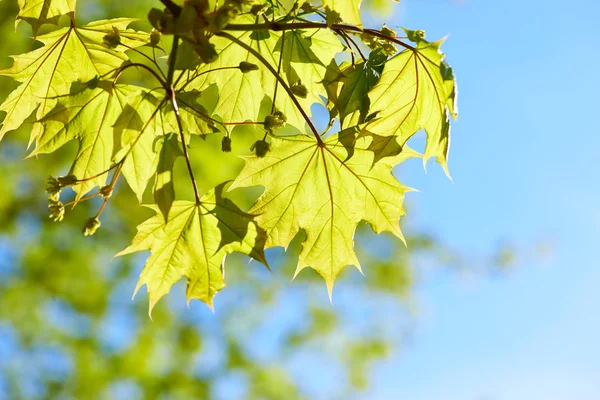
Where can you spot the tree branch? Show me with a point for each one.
(282, 82)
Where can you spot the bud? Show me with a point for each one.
(387, 31)
(256, 8)
(260, 148)
(299, 90)
(154, 37)
(68, 180)
(56, 210)
(226, 144)
(275, 121)
(307, 7)
(106, 191)
(112, 39)
(206, 51)
(53, 187)
(246, 67)
(415, 36)
(91, 226)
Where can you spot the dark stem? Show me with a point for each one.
(143, 66)
(182, 138)
(172, 59)
(277, 27)
(152, 60)
(174, 8)
(112, 184)
(173, 100)
(278, 77)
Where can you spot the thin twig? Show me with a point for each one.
(278, 77)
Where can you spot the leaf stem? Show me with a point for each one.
(152, 60)
(278, 77)
(277, 27)
(143, 66)
(172, 59)
(173, 99)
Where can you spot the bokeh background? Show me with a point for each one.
(495, 296)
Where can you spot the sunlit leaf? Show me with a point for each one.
(416, 91)
(325, 192)
(193, 244)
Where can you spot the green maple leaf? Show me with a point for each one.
(40, 12)
(68, 55)
(416, 91)
(325, 190)
(348, 86)
(193, 244)
(349, 10)
(88, 116)
(248, 96)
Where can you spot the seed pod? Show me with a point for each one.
(260, 148)
(226, 144)
(91, 226)
(246, 67)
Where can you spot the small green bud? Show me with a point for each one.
(226, 144)
(68, 180)
(91, 226)
(257, 8)
(56, 210)
(106, 191)
(53, 187)
(415, 36)
(307, 7)
(112, 39)
(387, 31)
(260, 148)
(299, 90)
(154, 37)
(206, 51)
(275, 121)
(246, 67)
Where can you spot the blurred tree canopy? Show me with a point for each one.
(68, 328)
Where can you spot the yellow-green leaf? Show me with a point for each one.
(349, 10)
(39, 12)
(193, 244)
(87, 116)
(416, 91)
(325, 190)
(68, 55)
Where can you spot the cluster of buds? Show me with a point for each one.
(376, 43)
(56, 209)
(55, 185)
(112, 39)
(91, 226)
(260, 148)
(275, 121)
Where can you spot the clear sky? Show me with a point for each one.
(522, 159)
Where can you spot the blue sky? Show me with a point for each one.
(522, 159)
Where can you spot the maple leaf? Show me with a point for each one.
(88, 116)
(326, 191)
(349, 10)
(68, 55)
(416, 91)
(193, 244)
(243, 96)
(39, 12)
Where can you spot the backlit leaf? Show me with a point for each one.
(325, 192)
(416, 91)
(193, 244)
